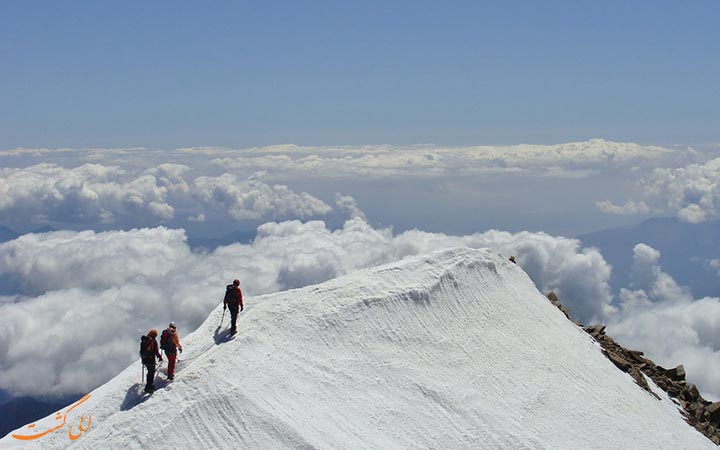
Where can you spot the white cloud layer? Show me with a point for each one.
(86, 194)
(662, 319)
(692, 193)
(130, 281)
(119, 284)
(251, 199)
(576, 159)
(348, 205)
(94, 193)
(568, 159)
(140, 187)
(630, 207)
(714, 265)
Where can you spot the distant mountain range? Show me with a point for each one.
(6, 234)
(684, 250)
(211, 244)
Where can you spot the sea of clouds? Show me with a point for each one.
(83, 298)
(87, 296)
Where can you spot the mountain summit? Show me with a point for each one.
(455, 349)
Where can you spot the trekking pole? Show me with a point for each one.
(142, 371)
(221, 318)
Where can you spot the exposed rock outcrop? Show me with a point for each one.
(698, 412)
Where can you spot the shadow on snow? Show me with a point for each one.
(222, 336)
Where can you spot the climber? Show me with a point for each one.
(233, 300)
(148, 352)
(170, 344)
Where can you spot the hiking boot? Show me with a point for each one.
(149, 389)
(171, 377)
(233, 332)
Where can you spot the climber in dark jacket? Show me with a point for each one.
(149, 351)
(233, 300)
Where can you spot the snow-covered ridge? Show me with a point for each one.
(455, 349)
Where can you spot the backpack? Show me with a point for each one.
(146, 348)
(231, 297)
(166, 342)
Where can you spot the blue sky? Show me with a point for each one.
(170, 74)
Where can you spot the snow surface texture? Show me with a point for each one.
(456, 349)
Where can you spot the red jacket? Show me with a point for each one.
(175, 342)
(238, 295)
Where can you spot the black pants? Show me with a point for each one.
(150, 377)
(233, 318)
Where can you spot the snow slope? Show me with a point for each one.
(456, 349)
